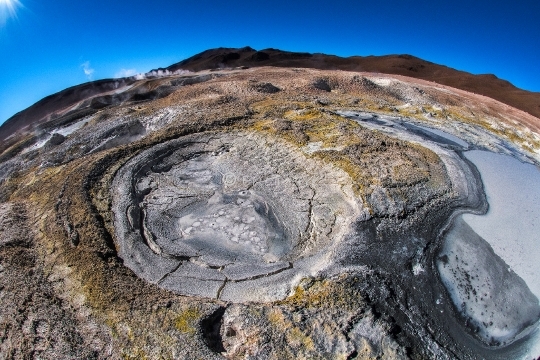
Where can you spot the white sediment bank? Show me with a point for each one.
(512, 224)
(490, 262)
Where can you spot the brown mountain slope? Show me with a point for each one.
(43, 109)
(407, 65)
(488, 85)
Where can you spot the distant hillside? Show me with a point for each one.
(407, 65)
(43, 109)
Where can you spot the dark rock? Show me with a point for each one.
(322, 84)
(227, 57)
(56, 139)
(260, 56)
(267, 88)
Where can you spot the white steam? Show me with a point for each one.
(126, 73)
(123, 73)
(88, 71)
(164, 72)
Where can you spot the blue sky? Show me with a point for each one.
(50, 45)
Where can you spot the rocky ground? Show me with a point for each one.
(245, 214)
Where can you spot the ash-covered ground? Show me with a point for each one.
(264, 214)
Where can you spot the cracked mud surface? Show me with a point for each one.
(222, 215)
(261, 213)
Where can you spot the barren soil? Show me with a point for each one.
(249, 213)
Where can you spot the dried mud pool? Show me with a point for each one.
(234, 216)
